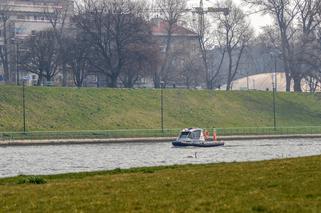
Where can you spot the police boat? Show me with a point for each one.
(196, 137)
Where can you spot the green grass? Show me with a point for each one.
(71, 109)
(291, 185)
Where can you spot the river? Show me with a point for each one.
(54, 159)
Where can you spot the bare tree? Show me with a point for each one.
(143, 58)
(284, 13)
(41, 56)
(5, 11)
(170, 11)
(58, 16)
(234, 33)
(207, 47)
(79, 51)
(216, 57)
(307, 50)
(112, 27)
(191, 71)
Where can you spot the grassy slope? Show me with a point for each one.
(292, 185)
(93, 109)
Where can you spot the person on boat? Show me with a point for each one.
(206, 134)
(214, 134)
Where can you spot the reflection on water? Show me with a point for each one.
(75, 158)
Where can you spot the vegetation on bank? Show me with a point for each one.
(291, 185)
(69, 109)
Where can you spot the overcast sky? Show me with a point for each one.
(257, 20)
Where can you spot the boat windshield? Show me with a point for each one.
(184, 135)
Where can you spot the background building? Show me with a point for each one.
(22, 18)
(184, 65)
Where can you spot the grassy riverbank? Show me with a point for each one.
(291, 185)
(71, 109)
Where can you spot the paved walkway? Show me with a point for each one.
(136, 140)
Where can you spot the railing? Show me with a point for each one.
(136, 133)
(269, 130)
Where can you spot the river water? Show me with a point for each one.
(54, 159)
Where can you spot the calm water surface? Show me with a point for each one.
(75, 158)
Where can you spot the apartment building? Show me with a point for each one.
(22, 18)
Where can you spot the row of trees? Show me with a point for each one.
(113, 38)
(109, 37)
(295, 35)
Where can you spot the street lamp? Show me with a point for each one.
(274, 87)
(24, 79)
(17, 63)
(162, 84)
(274, 110)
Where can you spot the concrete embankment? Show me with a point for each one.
(145, 140)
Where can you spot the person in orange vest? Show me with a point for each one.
(214, 135)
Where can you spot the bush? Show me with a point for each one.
(32, 180)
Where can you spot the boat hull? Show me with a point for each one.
(198, 144)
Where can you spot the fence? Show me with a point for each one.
(155, 133)
(88, 134)
(269, 130)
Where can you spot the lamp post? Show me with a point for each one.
(162, 83)
(274, 111)
(17, 63)
(23, 105)
(274, 87)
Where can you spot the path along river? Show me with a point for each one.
(54, 159)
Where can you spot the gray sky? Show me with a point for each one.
(257, 20)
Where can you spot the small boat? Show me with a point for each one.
(196, 137)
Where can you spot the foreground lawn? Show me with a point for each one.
(292, 185)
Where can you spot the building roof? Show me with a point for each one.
(159, 28)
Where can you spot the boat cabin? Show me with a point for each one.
(196, 137)
(191, 134)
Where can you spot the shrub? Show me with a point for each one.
(32, 180)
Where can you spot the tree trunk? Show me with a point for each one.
(297, 84)
(229, 77)
(156, 80)
(204, 59)
(64, 75)
(40, 77)
(164, 67)
(113, 81)
(288, 82)
(6, 71)
(48, 78)
(5, 60)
